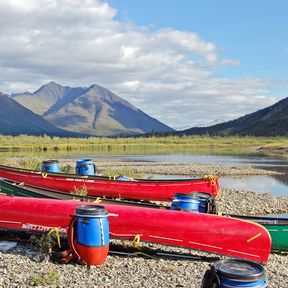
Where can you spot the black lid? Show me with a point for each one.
(50, 161)
(193, 195)
(90, 210)
(239, 270)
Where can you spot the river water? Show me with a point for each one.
(275, 185)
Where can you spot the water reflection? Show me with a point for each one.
(263, 184)
(229, 160)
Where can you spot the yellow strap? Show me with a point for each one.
(113, 177)
(44, 175)
(144, 254)
(136, 241)
(98, 200)
(211, 178)
(56, 231)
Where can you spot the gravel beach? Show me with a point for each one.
(24, 266)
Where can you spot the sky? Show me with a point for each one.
(186, 63)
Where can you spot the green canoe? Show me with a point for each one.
(277, 226)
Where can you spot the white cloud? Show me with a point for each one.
(169, 74)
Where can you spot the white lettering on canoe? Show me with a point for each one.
(79, 180)
(41, 228)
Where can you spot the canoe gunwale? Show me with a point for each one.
(95, 177)
(263, 220)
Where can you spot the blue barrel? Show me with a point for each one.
(92, 226)
(92, 234)
(194, 202)
(50, 166)
(85, 167)
(240, 273)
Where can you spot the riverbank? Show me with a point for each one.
(181, 169)
(171, 144)
(24, 266)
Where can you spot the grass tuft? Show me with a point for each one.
(121, 171)
(80, 190)
(51, 277)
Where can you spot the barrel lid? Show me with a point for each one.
(85, 161)
(238, 269)
(90, 210)
(193, 195)
(50, 161)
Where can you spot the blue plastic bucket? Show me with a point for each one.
(50, 166)
(85, 167)
(92, 227)
(240, 273)
(194, 202)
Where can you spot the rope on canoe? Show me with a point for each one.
(212, 179)
(57, 233)
(44, 175)
(136, 245)
(144, 254)
(98, 200)
(136, 241)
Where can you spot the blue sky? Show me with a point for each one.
(186, 63)
(251, 31)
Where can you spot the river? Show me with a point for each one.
(274, 185)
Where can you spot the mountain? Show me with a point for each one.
(94, 110)
(46, 96)
(16, 119)
(270, 121)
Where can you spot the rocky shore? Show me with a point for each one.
(25, 266)
(166, 168)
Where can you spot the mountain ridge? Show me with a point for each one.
(16, 119)
(269, 121)
(94, 110)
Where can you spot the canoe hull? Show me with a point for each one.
(277, 227)
(161, 190)
(212, 233)
(279, 235)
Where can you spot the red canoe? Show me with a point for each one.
(212, 233)
(140, 189)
